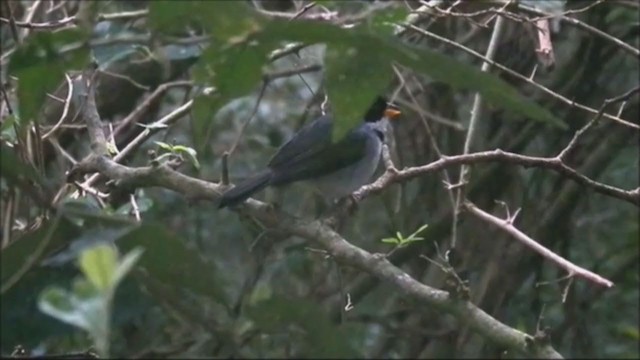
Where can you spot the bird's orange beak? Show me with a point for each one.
(391, 113)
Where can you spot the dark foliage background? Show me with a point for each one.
(216, 284)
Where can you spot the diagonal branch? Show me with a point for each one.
(160, 175)
(507, 226)
(515, 74)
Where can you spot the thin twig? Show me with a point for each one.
(144, 135)
(244, 124)
(288, 49)
(550, 163)
(473, 124)
(65, 110)
(124, 15)
(624, 97)
(268, 78)
(581, 25)
(31, 259)
(144, 106)
(520, 76)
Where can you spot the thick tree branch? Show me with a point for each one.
(338, 247)
(316, 231)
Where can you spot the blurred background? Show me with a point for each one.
(215, 284)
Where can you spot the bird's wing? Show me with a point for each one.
(316, 161)
(313, 137)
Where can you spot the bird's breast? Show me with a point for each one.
(350, 178)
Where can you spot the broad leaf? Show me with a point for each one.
(17, 253)
(323, 338)
(224, 19)
(15, 170)
(356, 74)
(39, 66)
(99, 265)
(170, 261)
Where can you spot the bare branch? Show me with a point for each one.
(43, 25)
(520, 76)
(476, 111)
(553, 163)
(508, 227)
(339, 248)
(581, 25)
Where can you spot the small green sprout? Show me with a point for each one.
(179, 150)
(400, 241)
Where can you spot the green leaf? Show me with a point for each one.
(164, 145)
(390, 241)
(85, 307)
(438, 66)
(463, 76)
(357, 62)
(58, 303)
(191, 153)
(40, 66)
(99, 265)
(7, 131)
(235, 70)
(88, 304)
(383, 22)
(126, 264)
(16, 171)
(322, 338)
(355, 75)
(86, 212)
(16, 253)
(421, 229)
(232, 63)
(171, 262)
(204, 109)
(410, 240)
(224, 19)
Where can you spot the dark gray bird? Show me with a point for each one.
(336, 168)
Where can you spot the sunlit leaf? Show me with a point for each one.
(99, 265)
(58, 303)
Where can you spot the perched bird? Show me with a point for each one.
(336, 168)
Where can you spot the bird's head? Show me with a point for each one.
(381, 109)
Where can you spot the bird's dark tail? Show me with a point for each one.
(245, 189)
